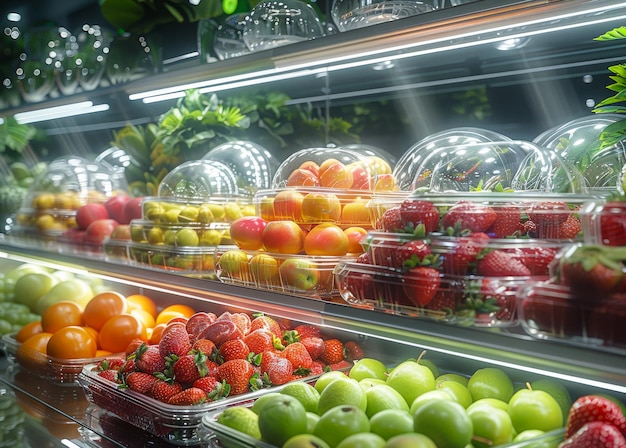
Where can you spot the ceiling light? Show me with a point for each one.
(68, 110)
(14, 17)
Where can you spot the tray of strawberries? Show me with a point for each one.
(204, 363)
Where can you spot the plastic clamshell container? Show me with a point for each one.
(253, 165)
(54, 369)
(339, 168)
(177, 425)
(196, 211)
(462, 300)
(596, 213)
(116, 251)
(546, 210)
(196, 261)
(199, 179)
(314, 205)
(603, 173)
(303, 275)
(45, 223)
(353, 14)
(551, 311)
(179, 235)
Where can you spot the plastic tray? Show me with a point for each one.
(54, 369)
(179, 235)
(193, 261)
(309, 276)
(214, 209)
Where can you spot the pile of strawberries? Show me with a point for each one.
(595, 421)
(208, 357)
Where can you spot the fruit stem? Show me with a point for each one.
(419, 358)
(528, 386)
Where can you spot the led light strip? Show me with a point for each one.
(68, 110)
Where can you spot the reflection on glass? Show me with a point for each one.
(353, 14)
(228, 39)
(93, 44)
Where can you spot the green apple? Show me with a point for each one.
(460, 392)
(74, 290)
(30, 287)
(328, 377)
(490, 382)
(299, 273)
(341, 422)
(282, 418)
(368, 383)
(362, 440)
(264, 269)
(11, 277)
(234, 263)
(241, 419)
(262, 400)
(494, 402)
(311, 420)
(452, 377)
(535, 409)
(368, 368)
(431, 365)
(343, 391)
(492, 426)
(305, 393)
(410, 441)
(391, 422)
(539, 438)
(445, 422)
(383, 397)
(305, 441)
(411, 379)
(428, 396)
(557, 390)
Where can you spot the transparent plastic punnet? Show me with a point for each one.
(406, 167)
(198, 179)
(353, 14)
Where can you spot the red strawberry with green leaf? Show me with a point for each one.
(595, 270)
(421, 284)
(189, 397)
(190, 367)
(462, 256)
(263, 321)
(306, 330)
(163, 390)
(353, 351)
(548, 216)
(141, 382)
(570, 228)
(298, 355)
(391, 221)
(260, 340)
(486, 300)
(444, 301)
(213, 388)
(537, 259)
(594, 408)
(499, 263)
(314, 345)
(333, 351)
(410, 252)
(469, 216)
(174, 340)
(279, 371)
(507, 222)
(237, 373)
(596, 435)
(148, 359)
(416, 212)
(109, 374)
(612, 219)
(233, 349)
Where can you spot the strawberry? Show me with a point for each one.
(266, 357)
(595, 435)
(279, 371)
(411, 252)
(236, 373)
(205, 346)
(507, 222)
(141, 382)
(110, 364)
(190, 367)
(488, 299)
(353, 350)
(307, 330)
(189, 397)
(469, 216)
(420, 284)
(212, 387)
(591, 270)
(242, 320)
(570, 228)
(333, 351)
(594, 408)
(363, 258)
(262, 321)
(314, 345)
(260, 340)
(317, 367)
(148, 359)
(391, 221)
(529, 228)
(133, 345)
(499, 263)
(462, 258)
(414, 212)
(198, 322)
(536, 259)
(234, 349)
(298, 355)
(613, 223)
(548, 216)
(109, 374)
(164, 390)
(444, 301)
(174, 340)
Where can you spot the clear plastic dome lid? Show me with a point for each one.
(489, 166)
(603, 172)
(89, 180)
(405, 171)
(253, 165)
(577, 141)
(199, 179)
(353, 14)
(334, 167)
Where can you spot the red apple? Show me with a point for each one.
(247, 232)
(115, 207)
(288, 205)
(89, 213)
(326, 239)
(283, 237)
(299, 273)
(74, 236)
(99, 230)
(132, 209)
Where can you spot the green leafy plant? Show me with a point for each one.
(616, 103)
(14, 137)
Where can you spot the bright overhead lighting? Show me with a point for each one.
(14, 17)
(68, 110)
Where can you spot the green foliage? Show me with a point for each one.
(14, 136)
(615, 104)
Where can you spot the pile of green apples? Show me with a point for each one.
(409, 405)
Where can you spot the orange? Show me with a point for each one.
(32, 352)
(173, 311)
(143, 302)
(102, 307)
(119, 331)
(28, 330)
(61, 314)
(144, 316)
(72, 342)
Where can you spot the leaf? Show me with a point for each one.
(613, 133)
(615, 33)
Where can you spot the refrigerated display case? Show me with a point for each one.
(537, 64)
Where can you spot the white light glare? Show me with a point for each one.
(68, 110)
(14, 17)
